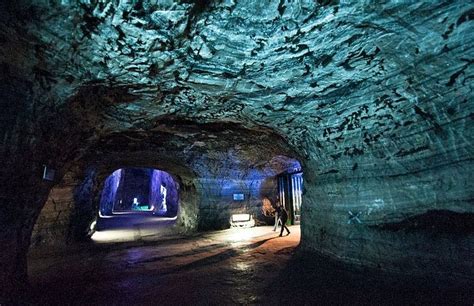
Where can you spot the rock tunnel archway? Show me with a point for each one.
(233, 163)
(74, 206)
(139, 189)
(373, 98)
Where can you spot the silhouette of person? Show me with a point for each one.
(277, 216)
(283, 219)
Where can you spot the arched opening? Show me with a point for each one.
(82, 203)
(129, 190)
(284, 188)
(374, 96)
(216, 180)
(136, 203)
(290, 190)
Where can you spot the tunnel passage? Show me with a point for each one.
(285, 188)
(136, 203)
(74, 206)
(139, 189)
(247, 195)
(208, 168)
(375, 97)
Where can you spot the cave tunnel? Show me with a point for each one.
(134, 199)
(138, 189)
(357, 117)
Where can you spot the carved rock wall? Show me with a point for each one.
(373, 97)
(53, 224)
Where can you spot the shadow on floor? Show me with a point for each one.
(217, 258)
(308, 280)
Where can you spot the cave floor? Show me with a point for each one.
(229, 267)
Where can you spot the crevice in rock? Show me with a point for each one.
(434, 222)
(465, 17)
(199, 7)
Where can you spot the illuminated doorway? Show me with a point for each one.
(290, 190)
(139, 190)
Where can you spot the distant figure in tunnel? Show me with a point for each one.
(283, 219)
(134, 204)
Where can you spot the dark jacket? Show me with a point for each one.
(283, 215)
(278, 211)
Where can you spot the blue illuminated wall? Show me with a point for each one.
(134, 184)
(124, 185)
(107, 200)
(159, 178)
(256, 184)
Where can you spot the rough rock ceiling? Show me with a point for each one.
(363, 81)
(374, 98)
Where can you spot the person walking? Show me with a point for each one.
(283, 219)
(277, 216)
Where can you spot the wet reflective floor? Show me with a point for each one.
(241, 266)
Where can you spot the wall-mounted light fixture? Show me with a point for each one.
(48, 173)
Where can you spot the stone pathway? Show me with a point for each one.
(230, 267)
(225, 267)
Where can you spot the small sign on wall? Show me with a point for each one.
(238, 196)
(48, 174)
